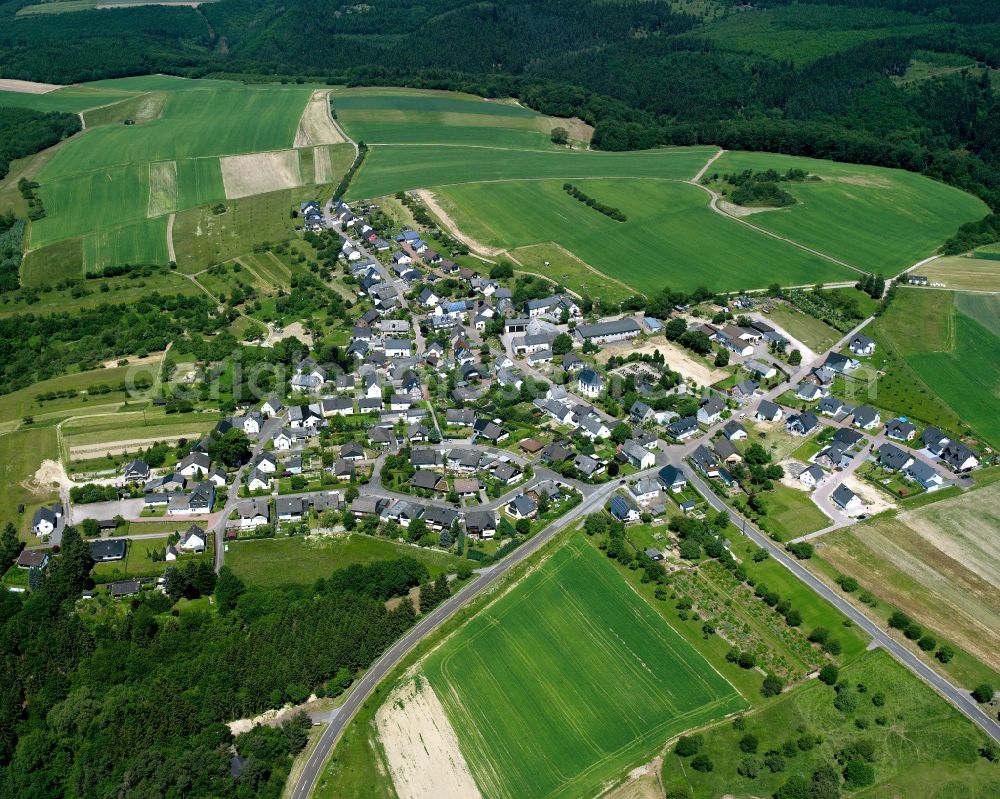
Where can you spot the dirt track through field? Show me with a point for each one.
(316, 126)
(162, 188)
(322, 165)
(421, 747)
(260, 173)
(435, 208)
(88, 451)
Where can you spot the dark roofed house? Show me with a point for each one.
(124, 588)
(802, 424)
(33, 559)
(959, 457)
(866, 417)
(428, 481)
(683, 428)
(847, 437)
(934, 440)
(900, 429)
(893, 458)
(108, 549)
(481, 523)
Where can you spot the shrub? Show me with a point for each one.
(795, 787)
(878, 699)
(899, 620)
(846, 702)
(772, 685)
(945, 653)
(983, 693)
(749, 743)
(702, 763)
(747, 660)
(688, 745)
(819, 635)
(848, 584)
(829, 674)
(750, 767)
(832, 646)
(774, 762)
(913, 631)
(858, 774)
(927, 643)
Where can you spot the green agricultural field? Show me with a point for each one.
(671, 237)
(142, 108)
(142, 242)
(923, 747)
(272, 562)
(979, 271)
(203, 238)
(71, 99)
(894, 218)
(982, 308)
(399, 116)
(53, 263)
(389, 169)
(568, 680)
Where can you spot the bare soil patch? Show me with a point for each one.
(435, 208)
(322, 165)
(740, 210)
(260, 173)
(876, 501)
(677, 359)
(642, 783)
(295, 329)
(27, 86)
(316, 126)
(50, 473)
(420, 745)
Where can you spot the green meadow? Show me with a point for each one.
(576, 680)
(389, 169)
(671, 237)
(880, 220)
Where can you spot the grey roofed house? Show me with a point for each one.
(505, 472)
(249, 508)
(368, 505)
(682, 428)
(840, 363)
(746, 388)
(734, 431)
(653, 553)
(710, 409)
(352, 451)
(136, 470)
(726, 451)
(571, 362)
(866, 417)
(169, 482)
(587, 465)
(705, 460)
(834, 456)
(768, 410)
(556, 453)
(808, 391)
(382, 435)
(369, 404)
(343, 469)
(289, 507)
(924, 474)
(814, 475)
(616, 329)
(439, 518)
(830, 406)
(124, 588)
(862, 345)
(464, 458)
(672, 478)
(489, 430)
(645, 487)
(331, 500)
(523, 505)
(427, 480)
(640, 411)
(460, 417)
(849, 438)
(480, 522)
(424, 456)
(844, 497)
(900, 430)
(593, 425)
(802, 423)
(892, 457)
(103, 550)
(959, 457)
(934, 440)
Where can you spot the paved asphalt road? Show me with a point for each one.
(959, 698)
(310, 774)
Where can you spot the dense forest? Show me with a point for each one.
(23, 132)
(642, 72)
(136, 703)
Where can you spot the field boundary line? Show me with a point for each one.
(708, 163)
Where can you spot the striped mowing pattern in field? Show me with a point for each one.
(568, 680)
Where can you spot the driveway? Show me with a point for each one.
(126, 508)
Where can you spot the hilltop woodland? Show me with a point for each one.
(136, 701)
(23, 132)
(568, 58)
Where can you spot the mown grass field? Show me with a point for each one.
(562, 266)
(982, 308)
(924, 748)
(389, 169)
(791, 513)
(671, 237)
(978, 272)
(568, 680)
(939, 563)
(298, 561)
(400, 116)
(895, 218)
(21, 453)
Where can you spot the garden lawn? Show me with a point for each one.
(568, 680)
(671, 237)
(21, 453)
(272, 562)
(791, 513)
(814, 333)
(924, 748)
(895, 218)
(138, 561)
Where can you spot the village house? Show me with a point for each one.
(607, 332)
